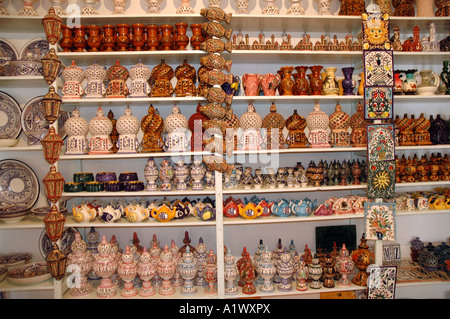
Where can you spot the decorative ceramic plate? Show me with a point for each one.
(19, 185)
(34, 123)
(29, 274)
(7, 52)
(13, 260)
(39, 47)
(45, 244)
(10, 116)
(14, 213)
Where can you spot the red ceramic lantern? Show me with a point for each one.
(51, 104)
(54, 185)
(52, 26)
(51, 66)
(57, 262)
(54, 224)
(51, 144)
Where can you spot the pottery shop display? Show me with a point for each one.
(427, 82)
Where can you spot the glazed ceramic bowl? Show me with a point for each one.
(13, 214)
(8, 142)
(3, 272)
(29, 274)
(13, 260)
(27, 66)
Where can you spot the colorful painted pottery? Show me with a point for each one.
(427, 82)
(138, 38)
(344, 265)
(117, 76)
(166, 175)
(152, 125)
(197, 39)
(108, 37)
(250, 122)
(79, 38)
(358, 136)
(230, 274)
(166, 270)
(301, 83)
(105, 265)
(110, 214)
(339, 125)
(81, 259)
(247, 272)
(330, 84)
(146, 270)
(315, 81)
(100, 128)
(296, 124)
(197, 173)
(127, 271)
(285, 269)
(251, 83)
(161, 76)
(210, 273)
(188, 271)
(317, 122)
(286, 86)
(362, 257)
(302, 275)
(135, 213)
(186, 77)
(201, 255)
(403, 8)
(315, 273)
(269, 83)
(438, 130)
(139, 75)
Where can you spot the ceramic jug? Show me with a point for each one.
(428, 82)
(251, 83)
(269, 83)
(282, 208)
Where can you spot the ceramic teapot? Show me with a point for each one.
(163, 213)
(302, 207)
(427, 82)
(84, 213)
(109, 213)
(281, 208)
(205, 211)
(136, 213)
(250, 211)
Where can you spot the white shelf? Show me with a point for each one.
(293, 189)
(419, 184)
(188, 192)
(8, 286)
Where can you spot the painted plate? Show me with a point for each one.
(7, 52)
(34, 124)
(45, 244)
(29, 274)
(10, 117)
(39, 47)
(13, 260)
(19, 185)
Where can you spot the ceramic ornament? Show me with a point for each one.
(381, 142)
(376, 31)
(378, 103)
(378, 68)
(381, 282)
(379, 221)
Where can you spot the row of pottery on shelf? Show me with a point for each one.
(422, 201)
(426, 82)
(421, 131)
(134, 37)
(431, 257)
(422, 169)
(136, 212)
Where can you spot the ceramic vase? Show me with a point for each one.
(286, 86)
(301, 276)
(344, 265)
(301, 83)
(108, 38)
(93, 41)
(348, 83)
(146, 270)
(166, 270)
(445, 77)
(105, 265)
(83, 259)
(285, 269)
(188, 271)
(362, 257)
(127, 271)
(315, 273)
(330, 84)
(210, 273)
(316, 82)
(251, 83)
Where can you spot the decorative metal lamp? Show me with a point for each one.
(52, 26)
(57, 262)
(51, 103)
(54, 185)
(54, 224)
(51, 66)
(51, 144)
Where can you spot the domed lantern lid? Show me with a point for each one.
(140, 71)
(95, 72)
(73, 73)
(250, 119)
(357, 120)
(339, 119)
(317, 119)
(198, 115)
(162, 71)
(100, 125)
(185, 71)
(127, 124)
(117, 72)
(295, 121)
(175, 121)
(76, 125)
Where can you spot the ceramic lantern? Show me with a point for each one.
(296, 136)
(358, 125)
(73, 76)
(128, 127)
(139, 75)
(177, 132)
(100, 128)
(274, 124)
(317, 122)
(77, 129)
(117, 87)
(95, 75)
(161, 77)
(251, 123)
(339, 125)
(152, 125)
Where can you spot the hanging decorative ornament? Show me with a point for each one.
(51, 104)
(52, 26)
(56, 262)
(51, 66)
(54, 224)
(51, 145)
(54, 185)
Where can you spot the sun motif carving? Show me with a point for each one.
(381, 180)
